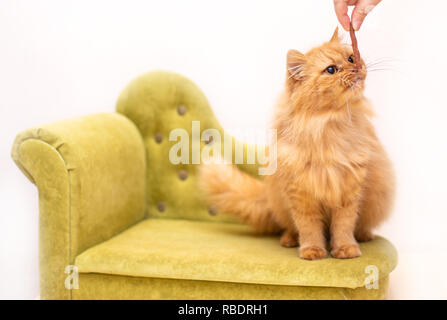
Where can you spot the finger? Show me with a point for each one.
(361, 10)
(341, 10)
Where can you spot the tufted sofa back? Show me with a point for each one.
(159, 102)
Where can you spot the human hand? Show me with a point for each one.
(361, 10)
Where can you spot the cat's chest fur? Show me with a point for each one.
(327, 163)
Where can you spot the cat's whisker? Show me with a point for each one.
(380, 64)
(383, 69)
(383, 59)
(292, 74)
(348, 110)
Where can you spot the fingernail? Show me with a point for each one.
(356, 24)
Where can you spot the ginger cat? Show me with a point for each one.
(334, 180)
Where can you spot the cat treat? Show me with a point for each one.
(355, 48)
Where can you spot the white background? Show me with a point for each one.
(62, 59)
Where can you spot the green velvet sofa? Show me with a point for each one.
(118, 220)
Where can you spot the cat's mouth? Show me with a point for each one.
(353, 81)
(356, 83)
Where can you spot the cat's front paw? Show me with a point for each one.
(313, 253)
(346, 251)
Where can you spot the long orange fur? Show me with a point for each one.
(334, 180)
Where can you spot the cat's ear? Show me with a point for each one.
(335, 36)
(295, 64)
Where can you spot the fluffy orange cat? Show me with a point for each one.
(334, 180)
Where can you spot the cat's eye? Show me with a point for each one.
(351, 59)
(331, 69)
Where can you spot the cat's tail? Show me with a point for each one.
(236, 193)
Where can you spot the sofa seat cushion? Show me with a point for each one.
(226, 252)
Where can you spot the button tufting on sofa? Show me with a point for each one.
(212, 210)
(183, 174)
(181, 109)
(158, 137)
(161, 206)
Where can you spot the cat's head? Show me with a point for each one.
(326, 73)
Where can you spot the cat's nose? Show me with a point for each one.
(356, 70)
(361, 73)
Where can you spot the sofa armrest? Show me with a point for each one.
(90, 173)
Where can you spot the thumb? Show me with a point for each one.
(361, 10)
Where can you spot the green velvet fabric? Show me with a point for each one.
(90, 174)
(94, 286)
(226, 252)
(101, 180)
(152, 101)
